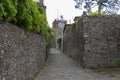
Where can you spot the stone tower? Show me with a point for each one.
(56, 26)
(58, 30)
(41, 2)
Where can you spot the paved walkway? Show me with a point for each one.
(61, 67)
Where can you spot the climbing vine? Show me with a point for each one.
(8, 10)
(71, 27)
(92, 14)
(26, 14)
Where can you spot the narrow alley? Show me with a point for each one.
(61, 67)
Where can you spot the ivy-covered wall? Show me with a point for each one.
(27, 15)
(22, 51)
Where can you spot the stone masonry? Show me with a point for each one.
(95, 41)
(58, 31)
(22, 53)
(74, 43)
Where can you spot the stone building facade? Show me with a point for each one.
(95, 42)
(56, 26)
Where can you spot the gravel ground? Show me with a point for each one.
(61, 67)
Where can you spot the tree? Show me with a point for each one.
(28, 15)
(110, 6)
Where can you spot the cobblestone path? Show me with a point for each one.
(61, 67)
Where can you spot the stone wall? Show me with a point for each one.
(22, 53)
(100, 41)
(74, 43)
(101, 45)
(54, 43)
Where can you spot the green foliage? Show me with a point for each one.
(41, 10)
(81, 17)
(27, 15)
(118, 63)
(2, 12)
(49, 35)
(71, 28)
(97, 14)
(8, 10)
(59, 43)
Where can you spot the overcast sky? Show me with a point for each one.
(55, 8)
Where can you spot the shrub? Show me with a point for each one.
(97, 14)
(71, 28)
(59, 43)
(118, 63)
(81, 17)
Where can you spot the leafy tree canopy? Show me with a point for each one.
(110, 6)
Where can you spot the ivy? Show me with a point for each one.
(26, 14)
(92, 14)
(118, 63)
(71, 28)
(7, 10)
(2, 12)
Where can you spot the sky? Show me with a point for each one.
(56, 8)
